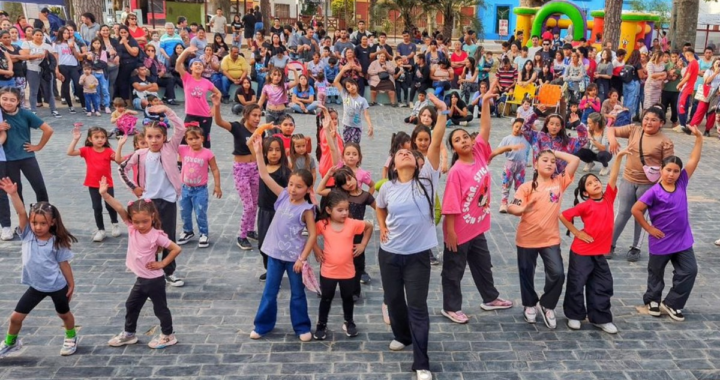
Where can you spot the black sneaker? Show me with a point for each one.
(350, 329)
(320, 332)
(654, 309)
(171, 102)
(433, 260)
(674, 314)
(365, 279)
(633, 255)
(72, 110)
(706, 133)
(252, 235)
(244, 244)
(185, 237)
(263, 276)
(56, 114)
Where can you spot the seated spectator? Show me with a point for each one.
(382, 78)
(442, 76)
(303, 97)
(142, 86)
(459, 114)
(211, 63)
(159, 74)
(422, 102)
(244, 95)
(234, 69)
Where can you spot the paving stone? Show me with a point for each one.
(214, 312)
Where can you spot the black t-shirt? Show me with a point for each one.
(249, 20)
(4, 65)
(363, 55)
(236, 25)
(358, 206)
(247, 96)
(274, 30)
(136, 79)
(266, 198)
(125, 57)
(460, 105)
(241, 136)
(377, 47)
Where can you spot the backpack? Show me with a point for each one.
(627, 73)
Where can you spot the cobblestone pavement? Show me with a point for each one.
(213, 313)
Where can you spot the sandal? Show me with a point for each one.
(456, 316)
(498, 304)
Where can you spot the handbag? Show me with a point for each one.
(651, 172)
(384, 75)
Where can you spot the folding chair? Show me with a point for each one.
(519, 94)
(549, 96)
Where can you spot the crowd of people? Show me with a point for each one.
(289, 214)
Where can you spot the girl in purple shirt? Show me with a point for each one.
(671, 238)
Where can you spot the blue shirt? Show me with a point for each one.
(304, 94)
(41, 262)
(515, 155)
(19, 134)
(168, 43)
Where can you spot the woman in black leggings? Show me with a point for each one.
(68, 55)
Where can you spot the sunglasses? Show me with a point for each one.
(40, 207)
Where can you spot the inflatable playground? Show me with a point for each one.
(534, 21)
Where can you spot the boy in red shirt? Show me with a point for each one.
(686, 87)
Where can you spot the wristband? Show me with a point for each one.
(446, 112)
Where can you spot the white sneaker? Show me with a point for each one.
(549, 317)
(589, 167)
(396, 346)
(423, 374)
(530, 314)
(717, 242)
(99, 236)
(678, 128)
(115, 231)
(573, 324)
(172, 280)
(609, 328)
(463, 123)
(604, 171)
(7, 234)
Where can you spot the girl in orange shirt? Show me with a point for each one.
(537, 203)
(338, 232)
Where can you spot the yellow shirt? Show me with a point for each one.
(235, 69)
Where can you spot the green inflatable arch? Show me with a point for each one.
(562, 7)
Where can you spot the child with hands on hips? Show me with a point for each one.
(671, 238)
(588, 271)
(45, 269)
(145, 240)
(286, 246)
(337, 258)
(537, 203)
(98, 156)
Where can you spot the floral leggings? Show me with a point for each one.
(352, 134)
(514, 171)
(247, 182)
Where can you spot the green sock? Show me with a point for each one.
(10, 339)
(70, 333)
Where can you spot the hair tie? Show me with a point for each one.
(78, 124)
(192, 124)
(162, 124)
(130, 203)
(148, 200)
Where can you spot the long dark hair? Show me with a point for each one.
(580, 192)
(418, 130)
(63, 238)
(535, 172)
(92, 131)
(329, 202)
(455, 155)
(397, 140)
(416, 184)
(284, 165)
(562, 134)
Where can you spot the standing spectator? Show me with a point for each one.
(136, 32)
(52, 22)
(258, 19)
(631, 90)
(457, 61)
(68, 55)
(603, 74)
(111, 46)
(218, 23)
(343, 44)
(406, 49)
(237, 27)
(128, 51)
(89, 28)
(35, 51)
(249, 22)
(359, 33)
(656, 76)
(670, 92)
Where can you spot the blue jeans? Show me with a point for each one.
(260, 80)
(309, 107)
(266, 316)
(225, 86)
(92, 102)
(103, 89)
(631, 96)
(586, 112)
(217, 80)
(194, 198)
(7, 83)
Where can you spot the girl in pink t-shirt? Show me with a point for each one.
(98, 155)
(466, 207)
(196, 88)
(337, 258)
(145, 240)
(275, 93)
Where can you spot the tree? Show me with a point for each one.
(83, 6)
(658, 7)
(404, 7)
(266, 12)
(683, 24)
(611, 29)
(532, 3)
(452, 12)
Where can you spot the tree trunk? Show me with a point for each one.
(407, 18)
(266, 13)
(532, 3)
(448, 22)
(83, 6)
(685, 22)
(673, 25)
(611, 32)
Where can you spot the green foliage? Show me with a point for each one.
(341, 7)
(659, 7)
(309, 9)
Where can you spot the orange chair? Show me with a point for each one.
(549, 95)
